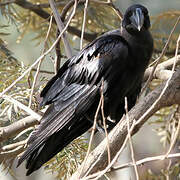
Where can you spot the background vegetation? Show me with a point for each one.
(19, 100)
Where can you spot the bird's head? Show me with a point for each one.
(136, 19)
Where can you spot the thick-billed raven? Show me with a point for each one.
(118, 59)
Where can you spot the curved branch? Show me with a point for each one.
(17, 127)
(166, 65)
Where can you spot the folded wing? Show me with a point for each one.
(71, 93)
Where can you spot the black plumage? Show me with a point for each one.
(118, 59)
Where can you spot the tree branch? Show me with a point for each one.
(161, 70)
(39, 64)
(45, 15)
(17, 127)
(97, 160)
(146, 160)
(61, 27)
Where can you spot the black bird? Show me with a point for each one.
(118, 59)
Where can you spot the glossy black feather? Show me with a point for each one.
(118, 58)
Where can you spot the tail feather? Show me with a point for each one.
(61, 123)
(36, 141)
(55, 144)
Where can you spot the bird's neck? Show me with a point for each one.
(141, 38)
(141, 45)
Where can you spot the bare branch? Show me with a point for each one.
(57, 62)
(39, 64)
(58, 50)
(146, 160)
(10, 147)
(130, 140)
(165, 87)
(104, 123)
(161, 70)
(22, 106)
(84, 23)
(66, 9)
(7, 3)
(61, 26)
(43, 71)
(118, 12)
(92, 135)
(178, 127)
(17, 127)
(96, 176)
(12, 154)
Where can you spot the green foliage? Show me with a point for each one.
(168, 119)
(103, 21)
(65, 163)
(26, 20)
(10, 70)
(172, 173)
(161, 27)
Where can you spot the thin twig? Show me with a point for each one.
(10, 147)
(104, 123)
(96, 176)
(84, 23)
(7, 3)
(117, 11)
(146, 160)
(161, 55)
(17, 127)
(22, 106)
(12, 152)
(164, 66)
(167, 172)
(47, 5)
(130, 141)
(61, 26)
(38, 5)
(110, 4)
(39, 64)
(178, 127)
(66, 9)
(43, 71)
(92, 135)
(57, 61)
(23, 132)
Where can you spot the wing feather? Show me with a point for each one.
(59, 115)
(88, 66)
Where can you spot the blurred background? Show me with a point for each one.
(26, 47)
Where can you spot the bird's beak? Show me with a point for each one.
(137, 19)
